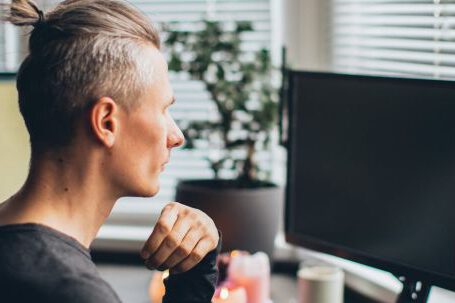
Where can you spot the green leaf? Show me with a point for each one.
(243, 26)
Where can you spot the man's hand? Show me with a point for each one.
(181, 238)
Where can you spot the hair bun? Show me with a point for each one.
(23, 13)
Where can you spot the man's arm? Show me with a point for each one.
(196, 285)
(186, 241)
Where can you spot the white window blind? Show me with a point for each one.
(2, 49)
(394, 37)
(2, 45)
(9, 48)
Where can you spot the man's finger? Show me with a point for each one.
(171, 242)
(189, 242)
(162, 228)
(203, 247)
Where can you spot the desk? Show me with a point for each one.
(284, 290)
(131, 283)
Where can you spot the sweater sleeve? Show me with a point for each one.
(196, 285)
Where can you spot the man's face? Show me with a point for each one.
(147, 133)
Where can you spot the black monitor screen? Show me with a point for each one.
(372, 170)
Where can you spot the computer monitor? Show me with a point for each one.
(371, 172)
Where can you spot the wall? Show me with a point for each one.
(14, 147)
(306, 34)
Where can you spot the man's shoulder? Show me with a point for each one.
(84, 288)
(69, 289)
(31, 248)
(42, 265)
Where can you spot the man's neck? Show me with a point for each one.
(64, 195)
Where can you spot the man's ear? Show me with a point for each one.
(104, 121)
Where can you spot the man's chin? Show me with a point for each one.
(146, 192)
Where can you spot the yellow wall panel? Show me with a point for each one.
(14, 142)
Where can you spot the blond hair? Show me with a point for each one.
(79, 52)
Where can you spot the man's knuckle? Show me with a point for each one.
(168, 207)
(178, 206)
(198, 224)
(196, 257)
(163, 227)
(194, 237)
(192, 215)
(183, 251)
(185, 211)
(204, 228)
(171, 241)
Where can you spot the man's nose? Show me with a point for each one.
(176, 139)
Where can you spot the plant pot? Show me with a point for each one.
(247, 217)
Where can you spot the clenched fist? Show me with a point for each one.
(181, 238)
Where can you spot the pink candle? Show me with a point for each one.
(156, 288)
(229, 294)
(253, 273)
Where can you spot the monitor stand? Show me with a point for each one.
(413, 291)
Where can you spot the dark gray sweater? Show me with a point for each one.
(40, 264)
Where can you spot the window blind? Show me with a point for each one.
(2, 45)
(413, 38)
(2, 49)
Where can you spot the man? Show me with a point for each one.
(94, 94)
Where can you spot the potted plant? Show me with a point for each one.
(246, 207)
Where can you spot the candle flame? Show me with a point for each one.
(224, 293)
(235, 253)
(165, 274)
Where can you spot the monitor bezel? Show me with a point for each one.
(396, 268)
